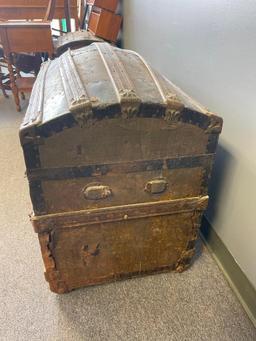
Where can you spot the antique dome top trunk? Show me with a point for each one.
(118, 161)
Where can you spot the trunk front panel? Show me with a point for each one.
(121, 140)
(69, 195)
(97, 253)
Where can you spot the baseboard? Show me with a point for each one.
(238, 281)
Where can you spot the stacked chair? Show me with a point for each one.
(13, 42)
(26, 37)
(27, 40)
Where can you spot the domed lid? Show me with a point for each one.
(101, 80)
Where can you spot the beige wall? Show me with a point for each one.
(208, 48)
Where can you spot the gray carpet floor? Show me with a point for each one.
(195, 305)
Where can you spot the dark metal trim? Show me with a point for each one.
(32, 160)
(212, 143)
(37, 197)
(125, 167)
(211, 124)
(31, 156)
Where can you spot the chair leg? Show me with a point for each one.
(15, 90)
(19, 76)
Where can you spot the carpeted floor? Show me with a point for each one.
(195, 305)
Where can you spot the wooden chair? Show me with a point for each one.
(27, 37)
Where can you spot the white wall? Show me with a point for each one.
(208, 48)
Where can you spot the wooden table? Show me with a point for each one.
(35, 9)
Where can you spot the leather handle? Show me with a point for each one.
(97, 191)
(156, 186)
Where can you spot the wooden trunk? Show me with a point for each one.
(118, 161)
(104, 24)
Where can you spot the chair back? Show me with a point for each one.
(26, 37)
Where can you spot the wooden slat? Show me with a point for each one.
(122, 84)
(76, 95)
(118, 213)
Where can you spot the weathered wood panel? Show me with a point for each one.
(68, 195)
(95, 254)
(122, 140)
